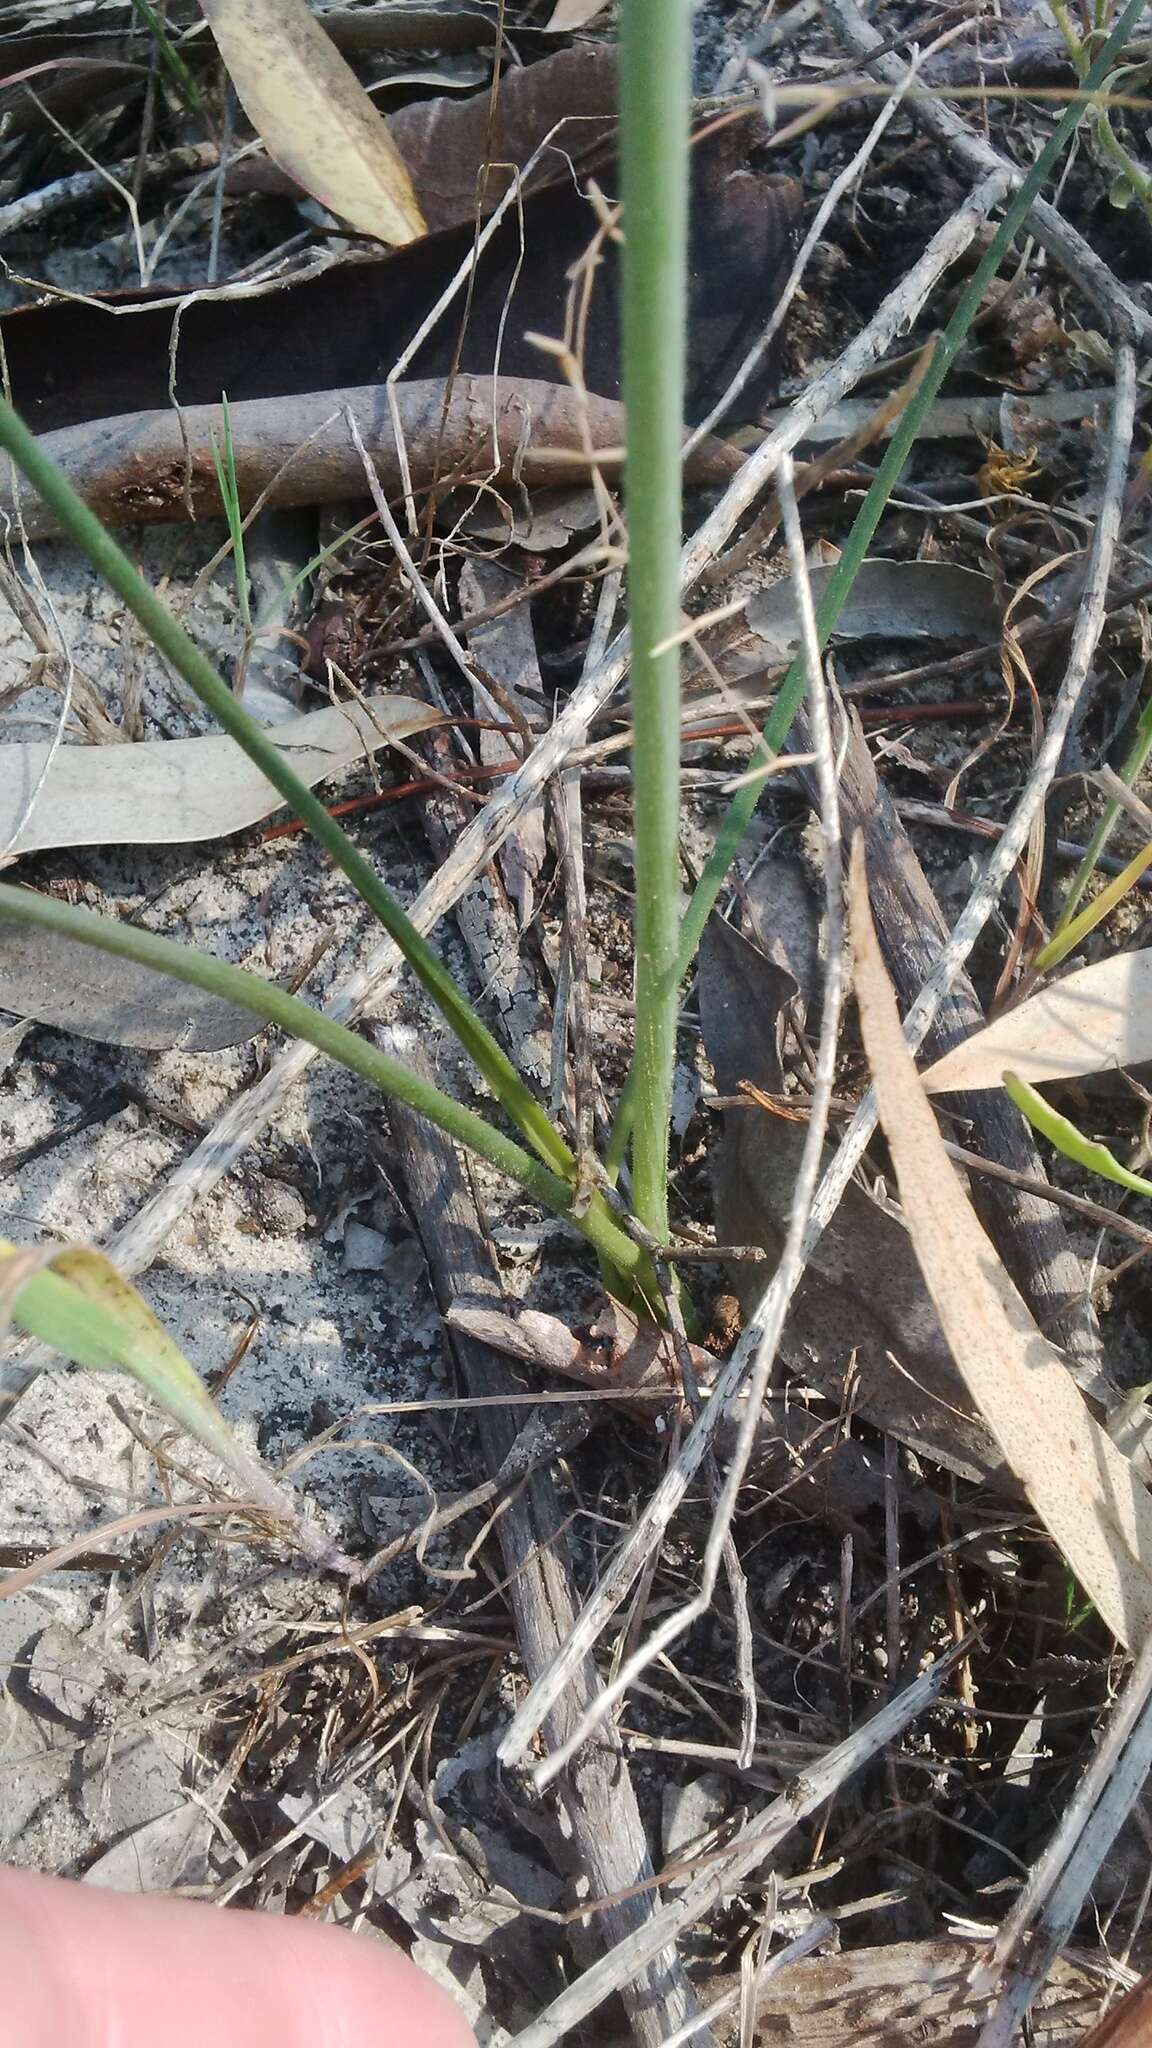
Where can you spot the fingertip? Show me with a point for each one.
(79, 1964)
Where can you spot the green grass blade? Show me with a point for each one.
(224, 463)
(1067, 937)
(197, 671)
(1062, 1133)
(300, 1020)
(1133, 767)
(80, 1305)
(736, 819)
(169, 56)
(655, 85)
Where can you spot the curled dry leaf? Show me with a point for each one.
(1084, 1490)
(313, 114)
(1096, 1019)
(157, 465)
(169, 792)
(463, 155)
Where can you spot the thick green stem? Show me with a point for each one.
(736, 818)
(655, 88)
(300, 1020)
(197, 671)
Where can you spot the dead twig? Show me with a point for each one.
(729, 1866)
(597, 1791)
(157, 466)
(789, 1270)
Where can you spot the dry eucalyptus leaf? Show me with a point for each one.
(169, 792)
(462, 154)
(862, 1304)
(1095, 1020)
(1084, 1490)
(888, 601)
(314, 116)
(60, 981)
(574, 13)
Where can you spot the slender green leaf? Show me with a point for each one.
(224, 463)
(655, 84)
(76, 1301)
(197, 671)
(286, 1011)
(1062, 1133)
(169, 56)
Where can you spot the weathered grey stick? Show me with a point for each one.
(720, 1878)
(597, 1790)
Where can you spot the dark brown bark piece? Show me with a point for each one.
(72, 361)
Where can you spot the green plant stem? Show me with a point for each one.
(224, 463)
(1132, 174)
(736, 818)
(1133, 767)
(655, 87)
(197, 671)
(300, 1020)
(169, 56)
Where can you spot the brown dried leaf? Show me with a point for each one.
(461, 156)
(1085, 1492)
(314, 116)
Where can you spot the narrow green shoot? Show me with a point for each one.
(169, 56)
(1068, 936)
(1062, 1133)
(739, 812)
(76, 1301)
(1133, 767)
(328, 553)
(224, 463)
(1131, 180)
(109, 559)
(655, 88)
(300, 1020)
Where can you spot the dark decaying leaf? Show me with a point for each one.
(446, 145)
(888, 600)
(862, 1302)
(74, 360)
(72, 987)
